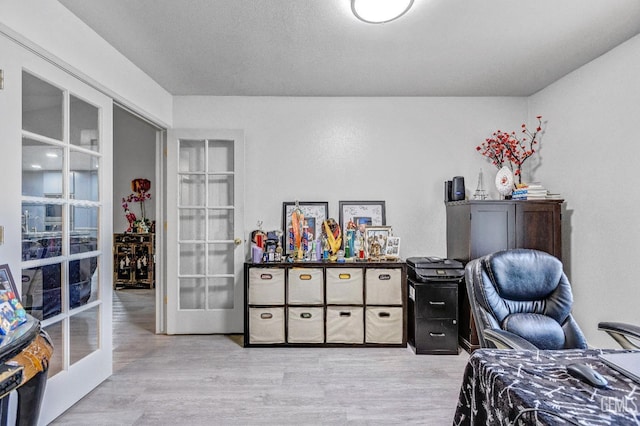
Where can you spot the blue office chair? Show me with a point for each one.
(521, 299)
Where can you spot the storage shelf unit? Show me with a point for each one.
(133, 260)
(325, 304)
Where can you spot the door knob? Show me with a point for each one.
(237, 241)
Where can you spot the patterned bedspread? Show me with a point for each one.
(500, 385)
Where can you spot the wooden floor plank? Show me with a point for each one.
(212, 379)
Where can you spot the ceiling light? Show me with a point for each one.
(36, 166)
(380, 11)
(52, 155)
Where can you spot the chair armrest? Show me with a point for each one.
(621, 332)
(507, 340)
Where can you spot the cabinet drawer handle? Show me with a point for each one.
(384, 277)
(266, 315)
(266, 276)
(436, 334)
(305, 315)
(384, 314)
(305, 277)
(436, 303)
(344, 276)
(345, 314)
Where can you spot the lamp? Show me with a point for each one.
(380, 11)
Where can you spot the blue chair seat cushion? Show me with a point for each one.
(541, 330)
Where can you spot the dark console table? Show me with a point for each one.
(24, 360)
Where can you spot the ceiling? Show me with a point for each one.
(318, 48)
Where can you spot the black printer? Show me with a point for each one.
(433, 304)
(431, 268)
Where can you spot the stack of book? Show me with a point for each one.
(553, 196)
(533, 191)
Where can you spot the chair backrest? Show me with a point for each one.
(525, 292)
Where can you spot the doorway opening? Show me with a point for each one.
(137, 200)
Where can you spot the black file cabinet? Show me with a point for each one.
(433, 317)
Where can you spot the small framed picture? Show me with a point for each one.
(376, 238)
(315, 212)
(361, 213)
(393, 247)
(6, 280)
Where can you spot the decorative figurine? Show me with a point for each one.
(297, 224)
(331, 231)
(480, 193)
(278, 255)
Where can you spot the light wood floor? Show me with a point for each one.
(213, 380)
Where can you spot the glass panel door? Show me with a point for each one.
(65, 266)
(60, 211)
(208, 293)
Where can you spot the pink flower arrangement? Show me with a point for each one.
(504, 148)
(140, 195)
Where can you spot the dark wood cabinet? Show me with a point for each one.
(476, 228)
(133, 260)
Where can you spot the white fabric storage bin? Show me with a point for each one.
(345, 324)
(384, 286)
(266, 286)
(266, 325)
(305, 286)
(384, 324)
(305, 325)
(344, 286)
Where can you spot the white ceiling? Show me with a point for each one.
(318, 48)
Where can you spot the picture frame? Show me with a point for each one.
(6, 280)
(392, 250)
(315, 212)
(362, 213)
(376, 238)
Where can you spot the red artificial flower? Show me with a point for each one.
(505, 148)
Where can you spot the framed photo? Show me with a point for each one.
(315, 212)
(362, 213)
(6, 280)
(393, 247)
(376, 239)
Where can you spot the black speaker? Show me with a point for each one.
(447, 191)
(457, 188)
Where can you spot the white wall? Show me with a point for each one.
(400, 150)
(134, 156)
(11, 142)
(55, 31)
(591, 154)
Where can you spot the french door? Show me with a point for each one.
(62, 138)
(205, 250)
